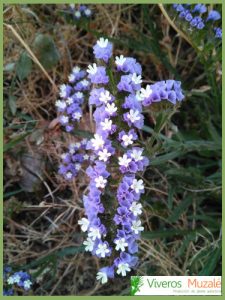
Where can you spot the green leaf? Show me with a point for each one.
(170, 197)
(181, 208)
(53, 256)
(46, 51)
(23, 66)
(69, 251)
(159, 234)
(10, 194)
(15, 141)
(212, 262)
(159, 160)
(12, 104)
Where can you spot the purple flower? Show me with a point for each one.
(97, 75)
(199, 8)
(200, 25)
(80, 11)
(134, 118)
(130, 83)
(95, 95)
(105, 273)
(213, 15)
(111, 109)
(76, 75)
(65, 91)
(128, 65)
(127, 139)
(218, 32)
(188, 17)
(178, 7)
(8, 292)
(163, 90)
(82, 85)
(131, 102)
(103, 49)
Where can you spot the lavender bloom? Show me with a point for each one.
(80, 11)
(186, 13)
(197, 21)
(82, 85)
(95, 96)
(128, 65)
(21, 279)
(163, 90)
(188, 17)
(218, 32)
(76, 75)
(104, 274)
(97, 75)
(115, 105)
(199, 8)
(127, 139)
(72, 96)
(103, 49)
(178, 7)
(134, 118)
(72, 160)
(9, 292)
(130, 83)
(213, 15)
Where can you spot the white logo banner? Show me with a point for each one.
(176, 285)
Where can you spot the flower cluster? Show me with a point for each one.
(112, 204)
(197, 17)
(218, 33)
(20, 279)
(72, 159)
(80, 11)
(72, 97)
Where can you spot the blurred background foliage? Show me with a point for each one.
(182, 203)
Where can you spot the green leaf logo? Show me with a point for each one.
(136, 283)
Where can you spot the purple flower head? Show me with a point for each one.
(199, 8)
(188, 17)
(200, 25)
(97, 75)
(213, 15)
(183, 13)
(100, 114)
(127, 139)
(105, 273)
(131, 102)
(95, 95)
(21, 279)
(8, 292)
(112, 105)
(103, 49)
(218, 32)
(103, 250)
(82, 8)
(130, 83)
(178, 7)
(134, 118)
(82, 85)
(77, 74)
(65, 91)
(128, 65)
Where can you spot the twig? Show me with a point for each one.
(173, 25)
